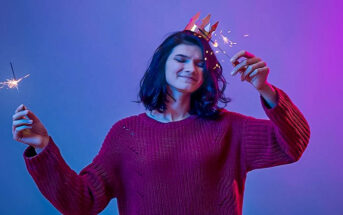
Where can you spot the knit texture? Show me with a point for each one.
(192, 166)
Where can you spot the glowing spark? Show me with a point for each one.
(225, 39)
(215, 44)
(12, 83)
(246, 35)
(232, 43)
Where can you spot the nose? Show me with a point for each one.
(190, 67)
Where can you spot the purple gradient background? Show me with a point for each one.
(86, 59)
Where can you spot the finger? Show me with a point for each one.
(244, 63)
(242, 53)
(19, 131)
(20, 128)
(19, 108)
(259, 70)
(17, 123)
(20, 115)
(251, 68)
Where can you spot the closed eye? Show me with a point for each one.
(199, 64)
(180, 60)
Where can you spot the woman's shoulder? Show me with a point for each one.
(123, 123)
(231, 115)
(129, 119)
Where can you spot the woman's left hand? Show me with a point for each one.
(252, 69)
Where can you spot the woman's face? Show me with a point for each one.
(184, 68)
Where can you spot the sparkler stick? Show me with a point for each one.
(13, 71)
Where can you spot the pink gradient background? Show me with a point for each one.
(86, 59)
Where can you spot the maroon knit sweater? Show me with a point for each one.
(193, 166)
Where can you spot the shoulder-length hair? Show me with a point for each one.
(204, 101)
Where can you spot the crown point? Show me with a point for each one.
(202, 27)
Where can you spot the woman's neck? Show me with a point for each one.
(167, 116)
(177, 109)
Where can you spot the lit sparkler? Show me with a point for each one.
(215, 43)
(12, 83)
(225, 39)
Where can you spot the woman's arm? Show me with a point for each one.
(269, 95)
(280, 140)
(86, 193)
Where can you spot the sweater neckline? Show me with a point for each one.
(147, 119)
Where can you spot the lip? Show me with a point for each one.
(188, 77)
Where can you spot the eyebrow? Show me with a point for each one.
(185, 56)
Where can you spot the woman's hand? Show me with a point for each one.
(252, 69)
(28, 129)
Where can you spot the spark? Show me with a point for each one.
(215, 43)
(225, 39)
(12, 83)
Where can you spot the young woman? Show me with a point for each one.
(185, 154)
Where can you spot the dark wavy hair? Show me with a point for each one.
(204, 101)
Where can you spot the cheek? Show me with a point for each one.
(172, 70)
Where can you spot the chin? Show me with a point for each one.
(185, 88)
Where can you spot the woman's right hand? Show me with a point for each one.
(28, 129)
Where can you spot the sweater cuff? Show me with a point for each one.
(33, 160)
(282, 103)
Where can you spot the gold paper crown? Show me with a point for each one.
(202, 28)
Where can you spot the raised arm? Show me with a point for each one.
(280, 140)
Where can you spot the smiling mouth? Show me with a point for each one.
(189, 78)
